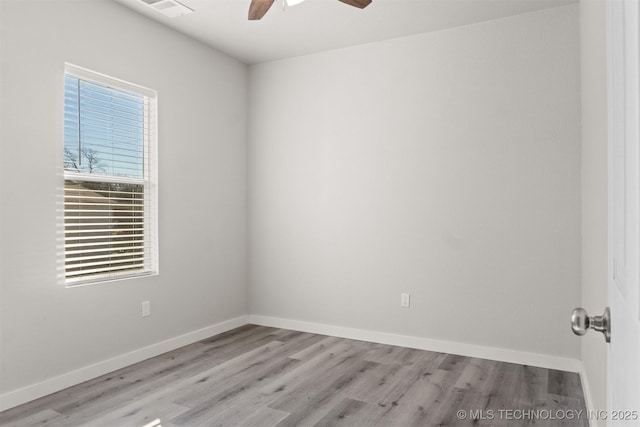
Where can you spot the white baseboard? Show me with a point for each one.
(463, 349)
(51, 385)
(588, 399)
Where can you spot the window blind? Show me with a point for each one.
(109, 193)
(104, 129)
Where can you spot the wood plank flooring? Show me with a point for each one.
(259, 376)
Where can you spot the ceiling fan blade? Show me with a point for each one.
(357, 3)
(258, 8)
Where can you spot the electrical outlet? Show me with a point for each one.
(146, 308)
(405, 300)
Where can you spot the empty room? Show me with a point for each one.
(319, 212)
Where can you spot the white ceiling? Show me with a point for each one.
(319, 25)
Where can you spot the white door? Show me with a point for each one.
(623, 377)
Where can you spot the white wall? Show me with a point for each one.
(446, 165)
(594, 188)
(47, 330)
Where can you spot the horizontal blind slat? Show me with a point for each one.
(84, 272)
(109, 143)
(70, 252)
(109, 262)
(110, 255)
(71, 83)
(110, 244)
(89, 227)
(99, 126)
(76, 218)
(105, 240)
(91, 108)
(106, 212)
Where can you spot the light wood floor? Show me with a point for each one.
(258, 376)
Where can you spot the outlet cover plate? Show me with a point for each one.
(405, 300)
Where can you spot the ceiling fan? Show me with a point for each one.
(258, 8)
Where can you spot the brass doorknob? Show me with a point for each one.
(581, 322)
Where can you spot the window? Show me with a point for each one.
(110, 207)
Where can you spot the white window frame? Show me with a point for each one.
(149, 180)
